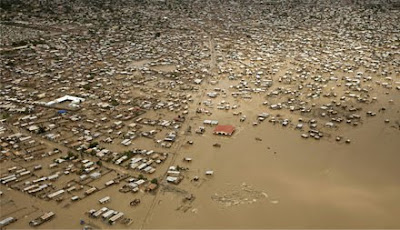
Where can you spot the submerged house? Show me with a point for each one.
(226, 130)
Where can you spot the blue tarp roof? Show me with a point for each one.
(62, 111)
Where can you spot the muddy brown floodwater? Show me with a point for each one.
(113, 107)
(308, 184)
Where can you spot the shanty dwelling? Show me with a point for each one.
(226, 130)
(151, 187)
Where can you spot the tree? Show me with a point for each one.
(5, 115)
(154, 181)
(71, 155)
(41, 130)
(99, 163)
(114, 102)
(87, 87)
(128, 153)
(93, 144)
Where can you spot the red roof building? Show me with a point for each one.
(227, 130)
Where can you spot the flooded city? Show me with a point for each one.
(199, 114)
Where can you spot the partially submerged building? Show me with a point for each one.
(226, 130)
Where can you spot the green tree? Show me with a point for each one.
(5, 115)
(70, 154)
(93, 144)
(41, 130)
(114, 102)
(87, 87)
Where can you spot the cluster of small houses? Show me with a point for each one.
(86, 92)
(24, 146)
(175, 176)
(44, 185)
(54, 125)
(108, 215)
(142, 160)
(15, 175)
(139, 159)
(33, 223)
(39, 185)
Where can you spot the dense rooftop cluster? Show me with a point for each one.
(111, 89)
